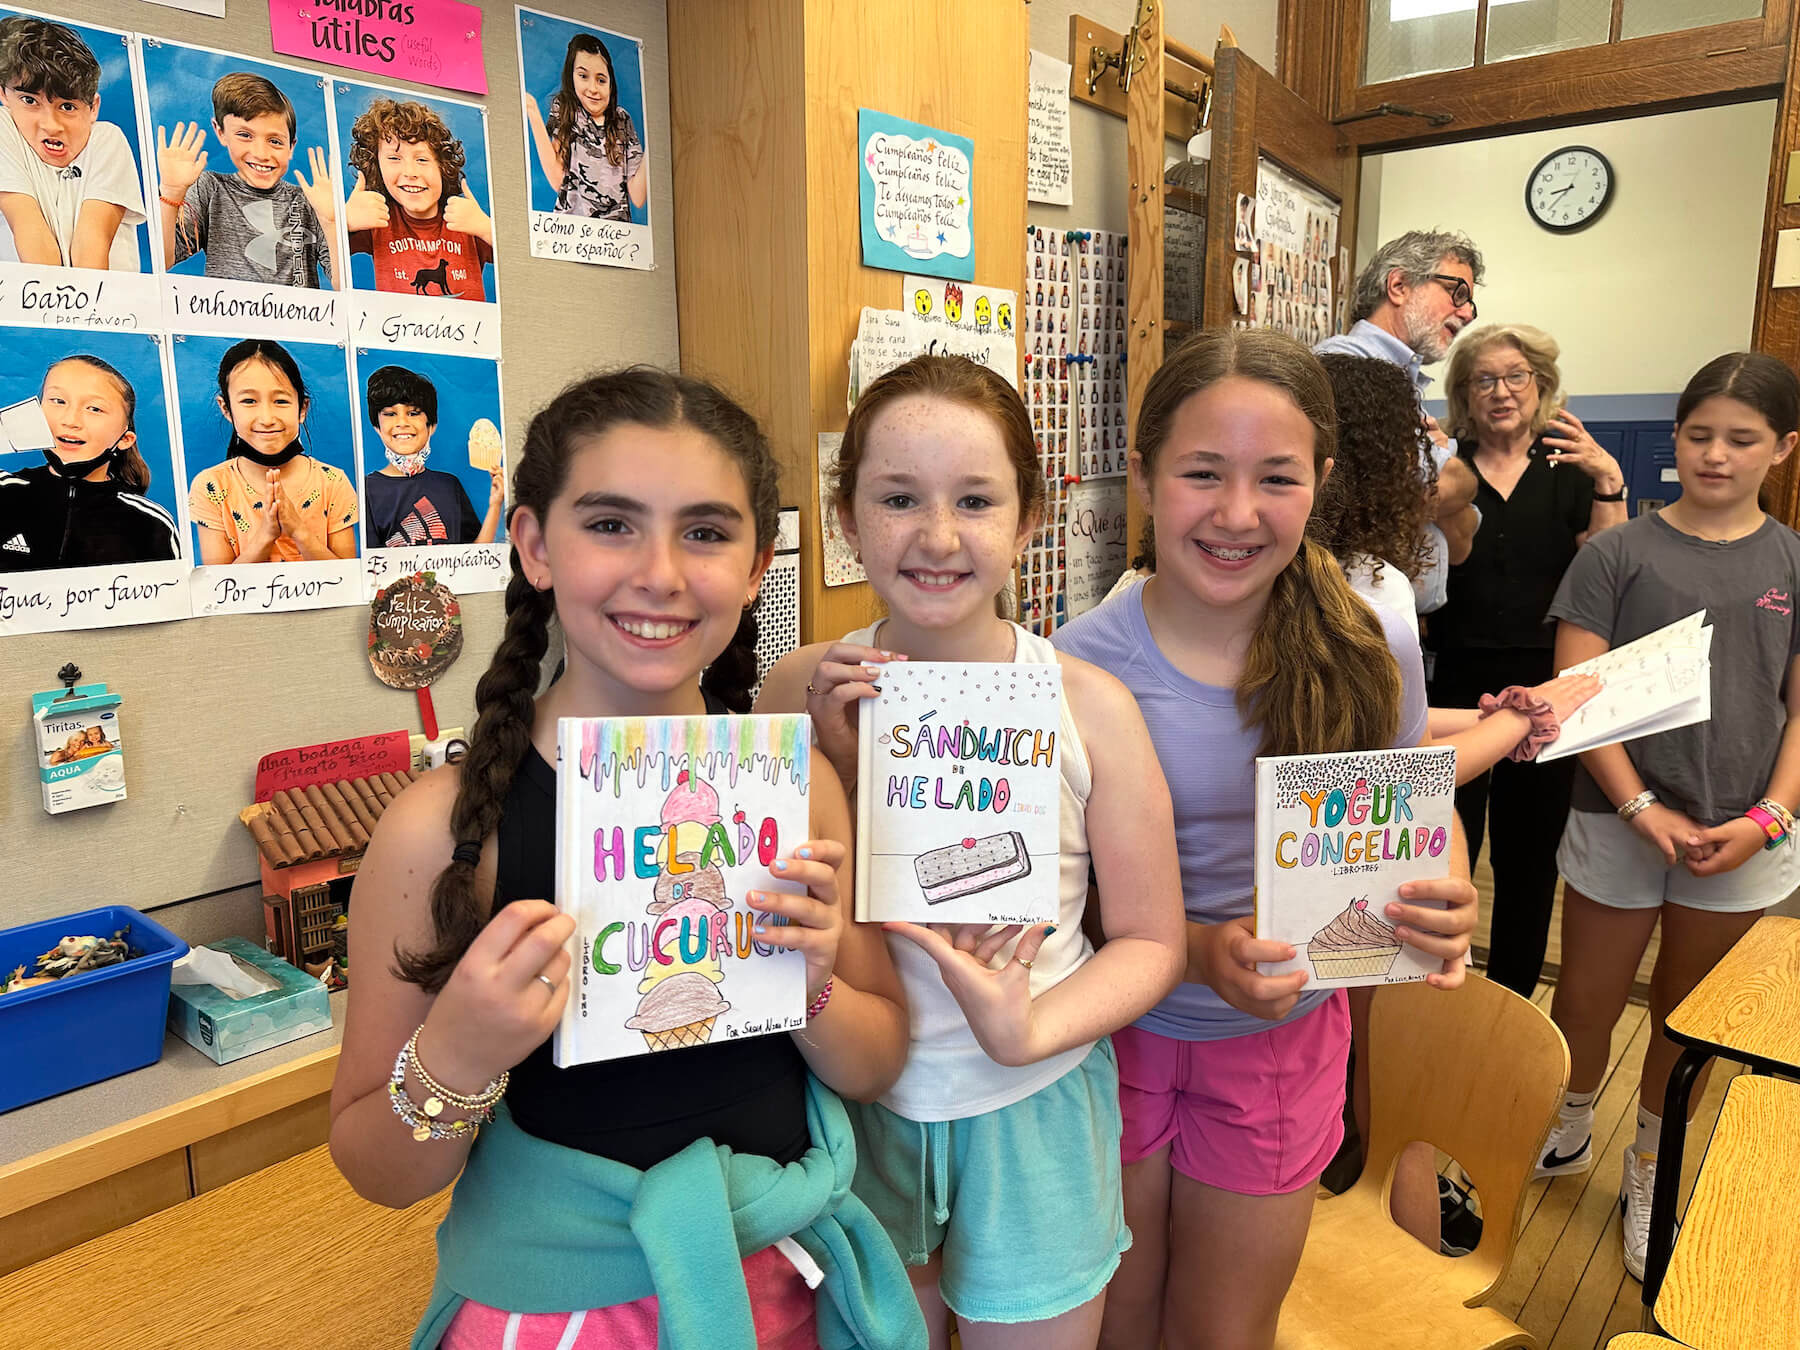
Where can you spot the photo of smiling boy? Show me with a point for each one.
(69, 186)
(411, 209)
(252, 225)
(405, 503)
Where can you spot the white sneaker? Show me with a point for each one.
(1569, 1149)
(1636, 1186)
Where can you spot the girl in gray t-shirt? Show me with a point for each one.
(1686, 825)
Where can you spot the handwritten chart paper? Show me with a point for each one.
(917, 197)
(436, 42)
(664, 826)
(1049, 174)
(1095, 526)
(842, 567)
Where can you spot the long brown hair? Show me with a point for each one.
(128, 469)
(505, 697)
(1318, 677)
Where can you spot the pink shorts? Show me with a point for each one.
(781, 1306)
(1258, 1115)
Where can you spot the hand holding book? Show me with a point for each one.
(815, 920)
(847, 674)
(996, 1002)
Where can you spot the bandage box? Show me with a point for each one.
(224, 1028)
(81, 752)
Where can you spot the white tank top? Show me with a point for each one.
(948, 1076)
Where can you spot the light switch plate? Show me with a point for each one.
(1790, 192)
(1787, 259)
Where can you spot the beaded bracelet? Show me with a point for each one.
(818, 1004)
(423, 1126)
(481, 1102)
(1544, 724)
(1639, 804)
(1780, 812)
(1773, 819)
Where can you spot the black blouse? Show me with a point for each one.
(1500, 594)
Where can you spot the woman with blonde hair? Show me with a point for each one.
(1544, 487)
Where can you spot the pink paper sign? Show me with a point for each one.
(436, 42)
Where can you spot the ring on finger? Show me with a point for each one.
(546, 981)
(810, 689)
(1026, 964)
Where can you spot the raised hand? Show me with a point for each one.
(322, 191)
(1570, 443)
(996, 1002)
(265, 524)
(366, 208)
(180, 159)
(495, 1009)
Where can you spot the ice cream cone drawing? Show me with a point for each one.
(1353, 945)
(690, 905)
(679, 1012)
(688, 816)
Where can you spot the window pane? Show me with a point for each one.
(1417, 37)
(1531, 27)
(1644, 17)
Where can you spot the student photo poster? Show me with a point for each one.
(419, 230)
(467, 392)
(592, 218)
(118, 105)
(39, 595)
(179, 82)
(327, 434)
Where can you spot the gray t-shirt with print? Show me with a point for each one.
(269, 235)
(1645, 574)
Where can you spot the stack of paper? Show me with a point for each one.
(1660, 682)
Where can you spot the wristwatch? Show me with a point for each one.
(1618, 496)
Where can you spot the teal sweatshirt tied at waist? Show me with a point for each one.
(535, 1227)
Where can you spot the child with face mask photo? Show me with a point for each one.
(409, 503)
(85, 506)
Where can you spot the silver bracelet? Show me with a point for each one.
(1637, 805)
(423, 1126)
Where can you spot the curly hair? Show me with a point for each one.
(408, 123)
(1377, 502)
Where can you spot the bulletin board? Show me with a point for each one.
(204, 699)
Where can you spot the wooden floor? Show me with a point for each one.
(1567, 1285)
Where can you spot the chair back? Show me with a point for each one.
(1478, 1072)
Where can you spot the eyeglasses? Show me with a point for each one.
(1515, 380)
(1460, 292)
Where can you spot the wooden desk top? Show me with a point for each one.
(1750, 1003)
(1643, 1340)
(288, 1256)
(1735, 1277)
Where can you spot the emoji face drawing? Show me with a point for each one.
(922, 302)
(953, 303)
(984, 314)
(1005, 317)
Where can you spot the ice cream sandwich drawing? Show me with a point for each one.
(971, 866)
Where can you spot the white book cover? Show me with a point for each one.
(958, 800)
(663, 826)
(1660, 682)
(1335, 837)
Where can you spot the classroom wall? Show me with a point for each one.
(1097, 138)
(1661, 283)
(204, 699)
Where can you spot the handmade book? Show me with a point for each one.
(1658, 683)
(958, 799)
(663, 827)
(1335, 837)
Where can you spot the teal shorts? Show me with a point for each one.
(1024, 1201)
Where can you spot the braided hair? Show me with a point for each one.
(505, 697)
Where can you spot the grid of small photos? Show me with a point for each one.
(1073, 335)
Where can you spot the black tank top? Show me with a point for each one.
(749, 1095)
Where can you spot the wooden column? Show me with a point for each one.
(1776, 327)
(768, 261)
(1145, 127)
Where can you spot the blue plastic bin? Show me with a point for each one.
(82, 1028)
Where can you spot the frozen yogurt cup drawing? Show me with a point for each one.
(1354, 945)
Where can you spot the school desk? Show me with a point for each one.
(1733, 1282)
(1747, 1009)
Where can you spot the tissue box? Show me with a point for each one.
(225, 1028)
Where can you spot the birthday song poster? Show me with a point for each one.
(665, 826)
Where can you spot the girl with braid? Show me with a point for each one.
(613, 1204)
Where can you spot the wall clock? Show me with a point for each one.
(1569, 188)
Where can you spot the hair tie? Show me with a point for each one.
(1545, 726)
(466, 853)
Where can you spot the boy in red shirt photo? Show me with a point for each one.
(408, 209)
